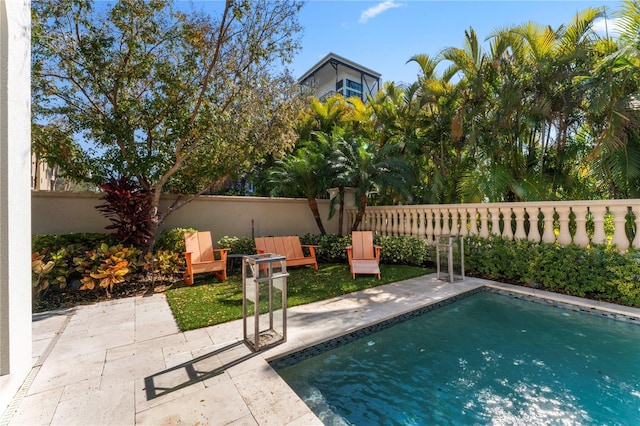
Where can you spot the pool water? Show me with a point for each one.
(485, 359)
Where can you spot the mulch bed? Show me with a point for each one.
(56, 298)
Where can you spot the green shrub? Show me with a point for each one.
(403, 250)
(172, 239)
(237, 245)
(330, 248)
(56, 242)
(598, 272)
(394, 250)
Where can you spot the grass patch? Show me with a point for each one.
(209, 301)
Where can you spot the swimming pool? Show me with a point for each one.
(486, 358)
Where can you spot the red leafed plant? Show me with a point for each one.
(128, 207)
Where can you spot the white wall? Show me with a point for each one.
(69, 212)
(15, 203)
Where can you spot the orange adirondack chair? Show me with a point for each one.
(201, 256)
(364, 256)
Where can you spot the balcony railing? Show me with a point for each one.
(579, 222)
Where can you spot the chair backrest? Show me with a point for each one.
(199, 243)
(362, 243)
(288, 246)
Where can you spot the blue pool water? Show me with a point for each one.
(485, 359)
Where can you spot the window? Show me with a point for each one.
(351, 93)
(353, 85)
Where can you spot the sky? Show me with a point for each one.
(383, 35)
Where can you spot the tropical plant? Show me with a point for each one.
(361, 164)
(304, 173)
(128, 208)
(107, 266)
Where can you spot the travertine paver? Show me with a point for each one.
(111, 404)
(219, 405)
(61, 371)
(38, 409)
(125, 362)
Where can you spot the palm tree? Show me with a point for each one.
(612, 87)
(368, 168)
(303, 173)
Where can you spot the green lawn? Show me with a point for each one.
(209, 301)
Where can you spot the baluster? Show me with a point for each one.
(548, 235)
(415, 223)
(412, 224)
(457, 221)
(429, 231)
(636, 239)
(473, 221)
(392, 222)
(580, 238)
(484, 222)
(495, 221)
(534, 233)
(350, 218)
(387, 218)
(446, 229)
(599, 236)
(408, 222)
(422, 231)
(375, 222)
(507, 232)
(564, 237)
(519, 212)
(619, 235)
(388, 222)
(437, 224)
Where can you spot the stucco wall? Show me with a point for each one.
(15, 225)
(68, 212)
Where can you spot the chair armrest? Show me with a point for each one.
(312, 249)
(223, 253)
(349, 253)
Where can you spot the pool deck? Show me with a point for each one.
(125, 362)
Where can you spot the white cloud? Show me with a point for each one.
(603, 25)
(377, 9)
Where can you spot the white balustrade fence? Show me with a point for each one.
(565, 222)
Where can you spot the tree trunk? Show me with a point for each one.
(313, 205)
(341, 217)
(341, 212)
(360, 214)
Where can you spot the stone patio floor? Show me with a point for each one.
(125, 362)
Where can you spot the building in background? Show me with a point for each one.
(335, 74)
(43, 177)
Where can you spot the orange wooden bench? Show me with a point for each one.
(288, 247)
